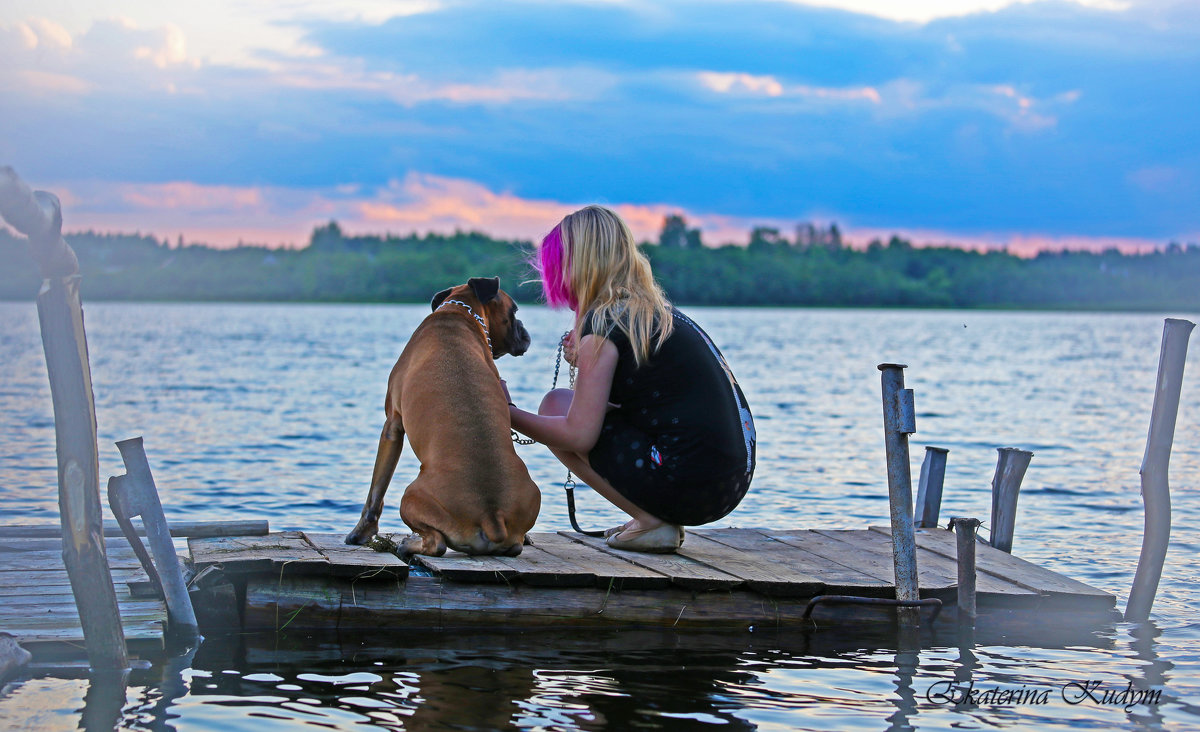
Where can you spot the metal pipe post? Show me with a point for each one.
(899, 421)
(1156, 491)
(964, 531)
(929, 487)
(1006, 486)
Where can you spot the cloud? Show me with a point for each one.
(1055, 118)
(225, 216)
(751, 85)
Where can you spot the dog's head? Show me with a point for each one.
(496, 307)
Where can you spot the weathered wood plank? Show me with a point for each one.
(536, 566)
(993, 562)
(795, 562)
(359, 562)
(935, 570)
(842, 554)
(48, 560)
(299, 604)
(198, 529)
(759, 574)
(684, 572)
(459, 567)
(66, 614)
(609, 571)
(283, 552)
(34, 579)
(142, 630)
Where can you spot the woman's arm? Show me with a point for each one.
(579, 429)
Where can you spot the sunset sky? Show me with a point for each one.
(982, 122)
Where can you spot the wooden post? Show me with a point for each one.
(60, 312)
(134, 494)
(1006, 486)
(964, 530)
(899, 421)
(929, 487)
(1156, 491)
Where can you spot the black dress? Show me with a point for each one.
(681, 443)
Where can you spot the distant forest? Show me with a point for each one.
(813, 268)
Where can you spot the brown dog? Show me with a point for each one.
(472, 494)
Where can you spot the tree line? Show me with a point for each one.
(812, 268)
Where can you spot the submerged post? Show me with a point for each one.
(1006, 486)
(899, 421)
(38, 215)
(1156, 491)
(929, 487)
(964, 531)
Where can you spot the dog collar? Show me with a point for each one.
(482, 324)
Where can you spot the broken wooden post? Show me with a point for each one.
(1156, 491)
(1006, 486)
(134, 494)
(38, 216)
(929, 487)
(964, 531)
(899, 421)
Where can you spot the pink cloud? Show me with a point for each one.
(222, 215)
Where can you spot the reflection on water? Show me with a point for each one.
(264, 411)
(827, 680)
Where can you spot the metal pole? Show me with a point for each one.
(899, 421)
(38, 215)
(1156, 491)
(929, 487)
(964, 530)
(1006, 486)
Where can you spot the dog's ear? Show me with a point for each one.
(485, 288)
(438, 298)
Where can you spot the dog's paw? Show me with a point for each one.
(361, 534)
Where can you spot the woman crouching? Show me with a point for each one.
(656, 422)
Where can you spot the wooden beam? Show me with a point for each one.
(197, 529)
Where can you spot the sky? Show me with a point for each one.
(1042, 124)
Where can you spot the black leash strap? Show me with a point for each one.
(569, 483)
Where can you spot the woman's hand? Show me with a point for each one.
(504, 386)
(570, 348)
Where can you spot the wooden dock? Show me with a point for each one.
(38, 608)
(720, 579)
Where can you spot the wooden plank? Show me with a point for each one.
(142, 629)
(796, 562)
(996, 563)
(840, 553)
(536, 566)
(19, 582)
(683, 571)
(198, 529)
(60, 595)
(755, 569)
(609, 571)
(279, 553)
(358, 562)
(935, 570)
(49, 560)
(459, 567)
(66, 613)
(310, 604)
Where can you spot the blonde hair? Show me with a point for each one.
(609, 276)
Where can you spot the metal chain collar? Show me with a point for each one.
(482, 324)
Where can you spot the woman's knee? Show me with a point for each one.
(556, 402)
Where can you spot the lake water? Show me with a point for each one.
(273, 411)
